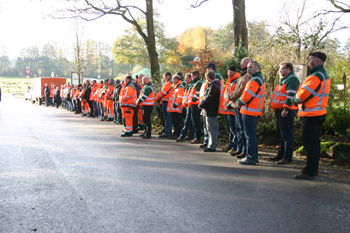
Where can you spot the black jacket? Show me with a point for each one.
(116, 93)
(47, 91)
(138, 88)
(87, 93)
(57, 96)
(211, 99)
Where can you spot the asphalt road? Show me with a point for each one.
(60, 172)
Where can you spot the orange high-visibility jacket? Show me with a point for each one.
(229, 87)
(186, 96)
(175, 99)
(193, 98)
(165, 91)
(93, 92)
(313, 94)
(253, 96)
(284, 92)
(109, 91)
(72, 93)
(52, 90)
(129, 95)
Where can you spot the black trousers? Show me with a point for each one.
(135, 124)
(310, 132)
(178, 123)
(146, 113)
(78, 106)
(91, 107)
(196, 119)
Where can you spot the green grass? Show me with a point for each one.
(15, 84)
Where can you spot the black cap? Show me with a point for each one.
(233, 68)
(210, 65)
(319, 55)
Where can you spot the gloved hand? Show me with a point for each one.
(229, 106)
(175, 105)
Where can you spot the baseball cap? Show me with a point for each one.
(210, 65)
(233, 68)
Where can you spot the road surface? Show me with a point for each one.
(60, 172)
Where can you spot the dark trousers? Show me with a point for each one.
(117, 112)
(188, 125)
(78, 106)
(47, 100)
(285, 129)
(250, 123)
(135, 124)
(101, 110)
(231, 129)
(178, 123)
(95, 104)
(196, 119)
(91, 107)
(241, 140)
(146, 113)
(310, 132)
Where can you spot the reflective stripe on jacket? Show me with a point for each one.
(224, 100)
(284, 92)
(313, 94)
(175, 99)
(146, 95)
(253, 97)
(165, 91)
(128, 95)
(194, 92)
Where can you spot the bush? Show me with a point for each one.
(269, 127)
(337, 122)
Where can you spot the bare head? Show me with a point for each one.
(210, 76)
(145, 80)
(253, 67)
(176, 79)
(245, 61)
(188, 78)
(286, 68)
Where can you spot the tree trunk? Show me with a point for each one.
(239, 24)
(151, 41)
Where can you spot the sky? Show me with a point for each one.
(25, 23)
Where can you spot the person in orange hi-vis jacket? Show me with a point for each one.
(251, 103)
(163, 96)
(175, 105)
(227, 109)
(312, 100)
(127, 101)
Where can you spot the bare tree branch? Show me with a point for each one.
(198, 4)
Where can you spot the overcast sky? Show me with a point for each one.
(23, 23)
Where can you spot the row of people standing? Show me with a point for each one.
(241, 100)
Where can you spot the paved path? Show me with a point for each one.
(60, 172)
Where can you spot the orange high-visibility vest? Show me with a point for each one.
(176, 96)
(314, 93)
(165, 91)
(129, 95)
(201, 92)
(93, 92)
(253, 97)
(229, 87)
(281, 94)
